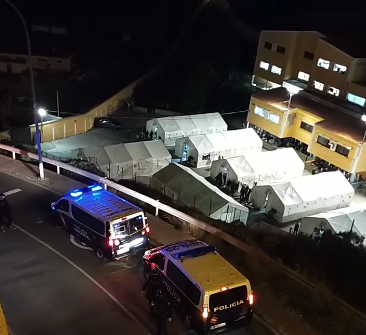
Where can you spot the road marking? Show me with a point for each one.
(110, 295)
(16, 190)
(73, 241)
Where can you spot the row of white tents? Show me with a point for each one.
(263, 168)
(170, 128)
(187, 188)
(127, 160)
(304, 196)
(204, 149)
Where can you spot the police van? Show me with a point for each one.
(209, 294)
(112, 226)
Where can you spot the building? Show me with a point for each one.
(49, 52)
(331, 132)
(332, 65)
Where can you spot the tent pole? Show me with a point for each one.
(209, 212)
(353, 223)
(195, 198)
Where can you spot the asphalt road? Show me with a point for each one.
(50, 286)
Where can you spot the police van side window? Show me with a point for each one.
(88, 220)
(159, 260)
(183, 283)
(63, 205)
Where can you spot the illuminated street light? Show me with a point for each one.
(38, 138)
(42, 112)
(291, 91)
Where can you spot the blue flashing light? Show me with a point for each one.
(76, 193)
(196, 252)
(96, 188)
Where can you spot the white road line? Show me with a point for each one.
(72, 240)
(110, 295)
(16, 190)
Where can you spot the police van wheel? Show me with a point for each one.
(187, 323)
(99, 253)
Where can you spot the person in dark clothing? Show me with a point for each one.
(296, 228)
(162, 311)
(5, 213)
(152, 285)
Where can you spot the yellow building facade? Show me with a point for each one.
(338, 141)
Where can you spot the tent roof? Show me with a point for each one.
(216, 121)
(117, 153)
(157, 149)
(311, 188)
(169, 124)
(202, 143)
(98, 153)
(240, 138)
(218, 141)
(185, 123)
(137, 151)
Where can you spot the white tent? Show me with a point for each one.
(189, 189)
(209, 147)
(337, 221)
(96, 155)
(304, 196)
(173, 127)
(121, 162)
(264, 168)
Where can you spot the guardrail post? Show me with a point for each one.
(105, 186)
(13, 153)
(156, 210)
(58, 169)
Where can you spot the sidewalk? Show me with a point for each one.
(161, 232)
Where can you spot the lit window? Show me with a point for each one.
(342, 150)
(276, 70)
(333, 91)
(356, 99)
(264, 65)
(339, 68)
(273, 118)
(306, 126)
(303, 76)
(318, 85)
(323, 63)
(259, 111)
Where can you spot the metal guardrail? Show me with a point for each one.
(180, 215)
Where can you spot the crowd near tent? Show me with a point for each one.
(337, 221)
(187, 188)
(125, 161)
(303, 196)
(204, 149)
(170, 128)
(264, 168)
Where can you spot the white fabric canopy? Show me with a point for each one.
(209, 147)
(304, 196)
(122, 162)
(97, 156)
(339, 220)
(264, 168)
(189, 189)
(173, 127)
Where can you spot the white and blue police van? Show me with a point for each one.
(112, 226)
(209, 294)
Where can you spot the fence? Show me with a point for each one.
(176, 213)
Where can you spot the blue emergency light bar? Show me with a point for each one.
(92, 188)
(196, 252)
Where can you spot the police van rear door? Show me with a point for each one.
(227, 306)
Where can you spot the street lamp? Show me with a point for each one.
(42, 112)
(35, 112)
(291, 91)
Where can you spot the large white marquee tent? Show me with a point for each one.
(125, 161)
(209, 147)
(337, 221)
(170, 128)
(264, 168)
(189, 189)
(304, 196)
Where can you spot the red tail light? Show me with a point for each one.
(110, 243)
(251, 299)
(147, 229)
(205, 313)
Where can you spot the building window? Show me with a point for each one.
(280, 49)
(323, 63)
(342, 150)
(264, 65)
(323, 141)
(340, 68)
(356, 99)
(276, 70)
(273, 118)
(303, 76)
(259, 111)
(268, 45)
(309, 55)
(306, 126)
(333, 91)
(318, 85)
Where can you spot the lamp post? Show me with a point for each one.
(42, 113)
(35, 112)
(292, 90)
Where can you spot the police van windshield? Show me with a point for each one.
(128, 227)
(228, 301)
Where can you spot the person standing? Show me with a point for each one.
(162, 311)
(5, 213)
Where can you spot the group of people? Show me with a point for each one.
(5, 214)
(159, 303)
